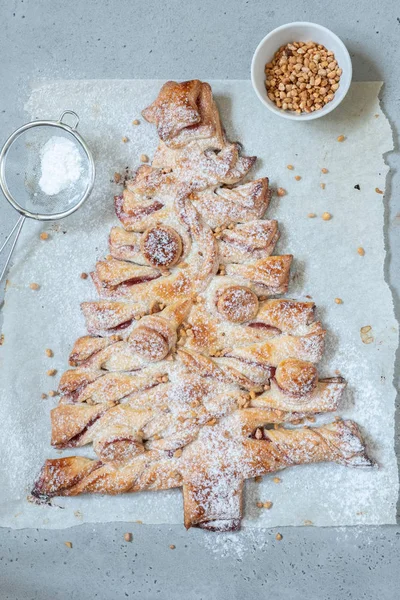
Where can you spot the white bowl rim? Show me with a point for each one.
(303, 116)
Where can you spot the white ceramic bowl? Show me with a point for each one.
(300, 32)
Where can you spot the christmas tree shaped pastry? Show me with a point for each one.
(190, 357)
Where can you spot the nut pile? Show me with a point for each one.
(302, 77)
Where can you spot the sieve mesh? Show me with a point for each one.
(22, 172)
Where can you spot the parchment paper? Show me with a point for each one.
(326, 266)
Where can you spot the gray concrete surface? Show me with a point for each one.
(205, 39)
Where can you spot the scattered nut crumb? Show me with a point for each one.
(322, 186)
(84, 275)
(49, 352)
(144, 158)
(278, 537)
(34, 286)
(68, 544)
(258, 434)
(125, 139)
(178, 453)
(128, 537)
(310, 418)
(44, 396)
(53, 393)
(323, 170)
(135, 122)
(277, 480)
(366, 334)
(44, 235)
(297, 177)
(326, 216)
(138, 521)
(51, 372)
(281, 192)
(258, 479)
(341, 138)
(260, 505)
(308, 522)
(378, 191)
(361, 251)
(267, 505)
(290, 167)
(1, 339)
(172, 546)
(338, 301)
(117, 177)
(311, 215)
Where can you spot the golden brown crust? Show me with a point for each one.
(187, 364)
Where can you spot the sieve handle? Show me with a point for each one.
(17, 229)
(69, 112)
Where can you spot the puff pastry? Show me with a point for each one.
(189, 357)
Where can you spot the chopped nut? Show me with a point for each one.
(260, 505)
(165, 379)
(144, 158)
(178, 453)
(68, 544)
(323, 170)
(211, 422)
(361, 251)
(278, 537)
(338, 301)
(308, 522)
(34, 286)
(311, 215)
(44, 235)
(281, 192)
(310, 418)
(53, 393)
(49, 352)
(290, 167)
(117, 177)
(322, 186)
(1, 339)
(258, 479)
(267, 505)
(366, 334)
(297, 177)
(378, 191)
(51, 372)
(128, 537)
(125, 139)
(135, 122)
(341, 138)
(44, 396)
(258, 434)
(326, 216)
(172, 546)
(302, 77)
(277, 480)
(84, 275)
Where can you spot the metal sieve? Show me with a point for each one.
(20, 172)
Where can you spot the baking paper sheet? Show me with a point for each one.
(326, 266)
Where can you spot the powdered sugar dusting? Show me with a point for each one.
(324, 494)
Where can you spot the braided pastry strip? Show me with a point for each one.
(212, 485)
(212, 489)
